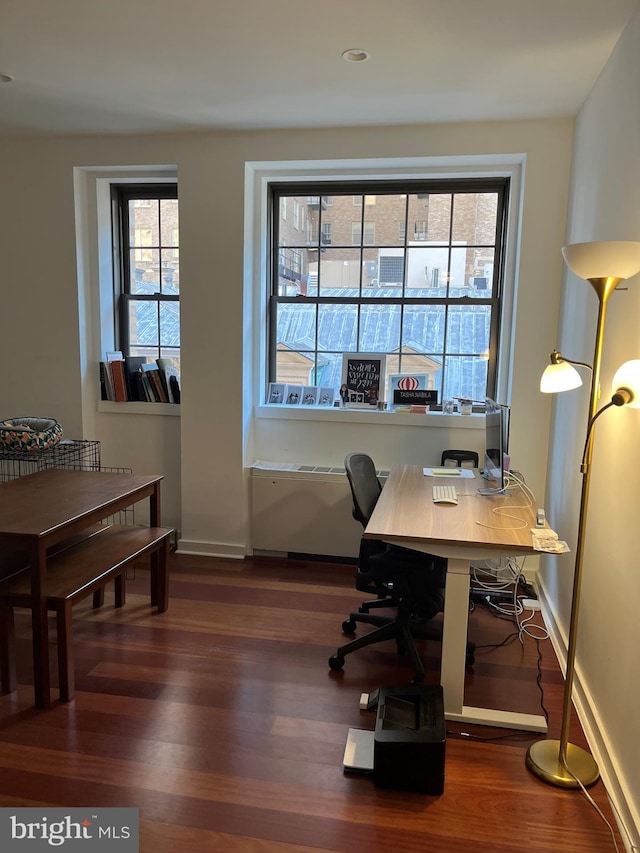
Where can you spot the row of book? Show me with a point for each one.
(133, 378)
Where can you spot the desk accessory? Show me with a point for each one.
(604, 265)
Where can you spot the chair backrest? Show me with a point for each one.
(365, 486)
(459, 457)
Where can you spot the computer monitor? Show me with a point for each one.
(496, 443)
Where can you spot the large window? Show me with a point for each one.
(147, 271)
(413, 270)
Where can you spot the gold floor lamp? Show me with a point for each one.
(604, 265)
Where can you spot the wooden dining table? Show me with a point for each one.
(42, 510)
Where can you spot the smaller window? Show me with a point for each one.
(146, 241)
(326, 233)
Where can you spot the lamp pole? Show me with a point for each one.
(559, 762)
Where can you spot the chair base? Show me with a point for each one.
(404, 629)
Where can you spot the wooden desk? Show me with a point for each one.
(406, 515)
(44, 508)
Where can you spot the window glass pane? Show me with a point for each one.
(169, 222)
(428, 271)
(143, 324)
(339, 272)
(295, 327)
(465, 376)
(328, 370)
(423, 330)
(474, 218)
(480, 272)
(370, 271)
(301, 219)
(337, 327)
(468, 268)
(382, 220)
(293, 367)
(169, 324)
(292, 266)
(429, 217)
(468, 329)
(170, 271)
(144, 271)
(144, 219)
(379, 328)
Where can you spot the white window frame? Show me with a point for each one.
(92, 197)
(258, 176)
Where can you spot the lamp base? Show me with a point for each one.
(543, 760)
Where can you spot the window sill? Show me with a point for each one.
(364, 416)
(139, 408)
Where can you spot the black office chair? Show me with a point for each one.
(410, 582)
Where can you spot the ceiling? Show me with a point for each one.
(131, 66)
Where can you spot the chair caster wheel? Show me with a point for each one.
(336, 662)
(349, 626)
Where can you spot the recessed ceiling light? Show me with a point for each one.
(6, 78)
(355, 54)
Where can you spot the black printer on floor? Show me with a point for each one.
(409, 739)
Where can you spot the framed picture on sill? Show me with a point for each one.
(293, 395)
(363, 378)
(309, 395)
(326, 396)
(276, 392)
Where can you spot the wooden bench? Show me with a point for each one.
(81, 567)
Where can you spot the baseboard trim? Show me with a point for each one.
(628, 817)
(210, 549)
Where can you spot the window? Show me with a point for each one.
(369, 233)
(380, 287)
(147, 277)
(420, 230)
(326, 233)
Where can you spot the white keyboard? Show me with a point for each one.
(445, 495)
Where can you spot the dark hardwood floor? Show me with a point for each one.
(222, 723)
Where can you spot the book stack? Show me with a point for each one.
(134, 379)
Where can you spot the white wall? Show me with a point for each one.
(604, 205)
(47, 372)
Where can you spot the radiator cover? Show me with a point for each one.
(303, 509)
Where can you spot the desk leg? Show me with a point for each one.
(454, 637)
(454, 650)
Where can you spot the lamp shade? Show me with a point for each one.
(627, 377)
(604, 259)
(559, 377)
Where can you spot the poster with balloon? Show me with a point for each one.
(406, 389)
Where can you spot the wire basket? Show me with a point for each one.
(81, 455)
